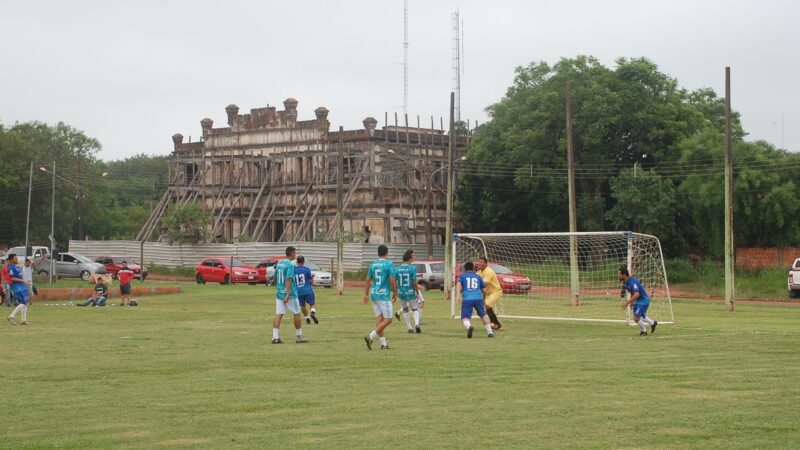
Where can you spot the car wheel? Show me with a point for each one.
(227, 280)
(252, 284)
(793, 293)
(85, 275)
(199, 278)
(43, 273)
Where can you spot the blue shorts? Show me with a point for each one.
(640, 310)
(21, 297)
(468, 305)
(307, 299)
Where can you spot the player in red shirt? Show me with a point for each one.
(125, 276)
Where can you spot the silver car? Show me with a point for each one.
(70, 265)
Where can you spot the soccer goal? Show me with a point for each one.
(568, 276)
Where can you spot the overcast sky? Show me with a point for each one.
(132, 74)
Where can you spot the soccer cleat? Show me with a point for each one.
(369, 342)
(490, 335)
(277, 341)
(418, 328)
(643, 333)
(24, 322)
(410, 331)
(653, 327)
(314, 318)
(397, 315)
(470, 330)
(11, 320)
(385, 347)
(301, 339)
(308, 321)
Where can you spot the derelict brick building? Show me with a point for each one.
(272, 177)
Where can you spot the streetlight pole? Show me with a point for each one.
(448, 238)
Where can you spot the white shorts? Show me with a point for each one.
(409, 303)
(292, 305)
(382, 309)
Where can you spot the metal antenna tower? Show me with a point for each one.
(405, 56)
(457, 64)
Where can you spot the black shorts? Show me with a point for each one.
(125, 289)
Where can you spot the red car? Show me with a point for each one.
(266, 268)
(225, 270)
(510, 282)
(114, 263)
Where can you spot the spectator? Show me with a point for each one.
(27, 274)
(99, 296)
(125, 275)
(8, 295)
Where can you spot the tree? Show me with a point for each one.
(516, 176)
(646, 203)
(186, 224)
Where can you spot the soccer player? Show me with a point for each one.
(408, 291)
(640, 301)
(380, 286)
(471, 290)
(125, 275)
(305, 289)
(493, 290)
(286, 298)
(20, 290)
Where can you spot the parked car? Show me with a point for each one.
(510, 282)
(794, 279)
(321, 277)
(114, 263)
(266, 269)
(224, 270)
(37, 252)
(70, 265)
(430, 273)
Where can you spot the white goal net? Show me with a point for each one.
(568, 276)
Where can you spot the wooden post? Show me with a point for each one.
(340, 216)
(573, 225)
(448, 238)
(730, 292)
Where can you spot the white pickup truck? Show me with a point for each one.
(794, 279)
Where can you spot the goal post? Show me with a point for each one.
(567, 276)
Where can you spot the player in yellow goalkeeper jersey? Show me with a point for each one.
(493, 290)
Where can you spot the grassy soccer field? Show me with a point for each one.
(198, 370)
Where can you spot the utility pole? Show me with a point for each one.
(53, 226)
(28, 220)
(340, 216)
(573, 225)
(448, 233)
(730, 293)
(80, 200)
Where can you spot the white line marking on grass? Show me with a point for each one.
(125, 337)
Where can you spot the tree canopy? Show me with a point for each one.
(114, 206)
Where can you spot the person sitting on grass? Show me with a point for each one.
(99, 295)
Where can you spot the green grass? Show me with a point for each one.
(197, 370)
(708, 279)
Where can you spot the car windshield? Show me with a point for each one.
(500, 269)
(237, 263)
(81, 258)
(120, 259)
(438, 267)
(311, 265)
